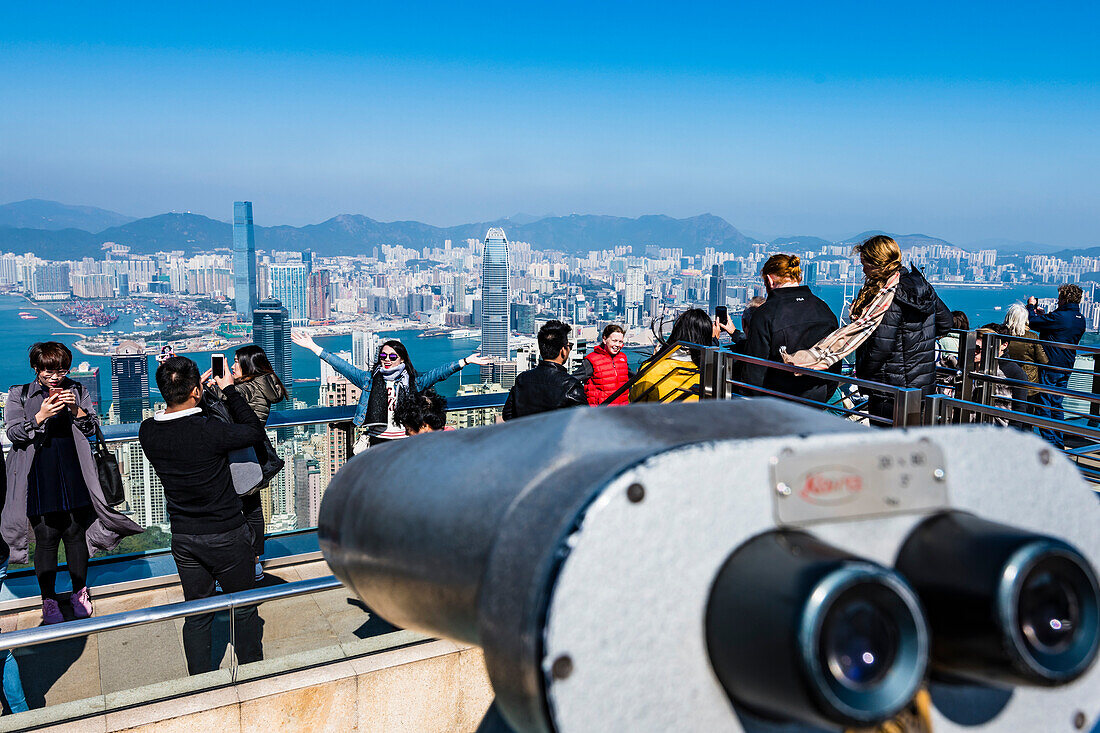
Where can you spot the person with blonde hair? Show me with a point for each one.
(896, 318)
(1029, 354)
(792, 318)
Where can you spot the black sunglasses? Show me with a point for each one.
(389, 357)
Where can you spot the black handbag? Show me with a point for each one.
(249, 472)
(106, 465)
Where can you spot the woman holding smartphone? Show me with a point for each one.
(53, 484)
(391, 380)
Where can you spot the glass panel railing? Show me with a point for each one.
(314, 444)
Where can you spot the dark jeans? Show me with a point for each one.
(225, 557)
(50, 530)
(254, 515)
(1050, 405)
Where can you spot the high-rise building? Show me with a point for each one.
(717, 287)
(289, 284)
(364, 348)
(337, 391)
(130, 382)
(634, 295)
(144, 491)
(88, 376)
(523, 318)
(495, 321)
(458, 287)
(244, 259)
(51, 282)
(271, 332)
(320, 295)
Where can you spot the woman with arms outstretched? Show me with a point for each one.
(390, 380)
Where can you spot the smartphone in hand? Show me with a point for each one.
(217, 365)
(722, 313)
(56, 391)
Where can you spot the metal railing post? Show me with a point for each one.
(907, 406)
(932, 407)
(349, 440)
(988, 367)
(708, 382)
(1094, 408)
(967, 346)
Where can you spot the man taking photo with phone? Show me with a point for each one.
(211, 542)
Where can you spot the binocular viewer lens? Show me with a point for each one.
(1050, 606)
(823, 637)
(859, 641)
(1006, 606)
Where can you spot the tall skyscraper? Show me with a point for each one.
(717, 291)
(271, 332)
(130, 381)
(320, 295)
(495, 321)
(244, 259)
(458, 287)
(634, 295)
(289, 284)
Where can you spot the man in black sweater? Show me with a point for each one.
(548, 386)
(210, 539)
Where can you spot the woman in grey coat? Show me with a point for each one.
(53, 484)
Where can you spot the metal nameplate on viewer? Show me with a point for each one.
(871, 479)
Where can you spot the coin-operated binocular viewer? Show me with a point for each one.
(737, 566)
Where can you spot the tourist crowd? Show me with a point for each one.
(210, 449)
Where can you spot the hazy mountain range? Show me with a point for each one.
(60, 231)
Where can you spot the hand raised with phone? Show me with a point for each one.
(52, 405)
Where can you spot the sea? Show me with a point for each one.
(982, 305)
(19, 335)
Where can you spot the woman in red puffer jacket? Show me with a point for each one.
(605, 369)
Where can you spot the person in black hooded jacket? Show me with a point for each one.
(902, 350)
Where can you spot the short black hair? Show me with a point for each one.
(51, 356)
(553, 337)
(176, 377)
(426, 408)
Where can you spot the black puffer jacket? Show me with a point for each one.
(902, 350)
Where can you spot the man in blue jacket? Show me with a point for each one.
(1063, 325)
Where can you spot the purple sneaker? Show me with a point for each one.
(81, 603)
(51, 612)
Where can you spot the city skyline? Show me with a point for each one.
(785, 121)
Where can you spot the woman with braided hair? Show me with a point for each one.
(895, 320)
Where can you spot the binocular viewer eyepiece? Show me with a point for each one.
(1006, 606)
(736, 566)
(798, 629)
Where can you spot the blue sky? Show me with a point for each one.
(968, 122)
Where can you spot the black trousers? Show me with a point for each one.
(50, 530)
(225, 557)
